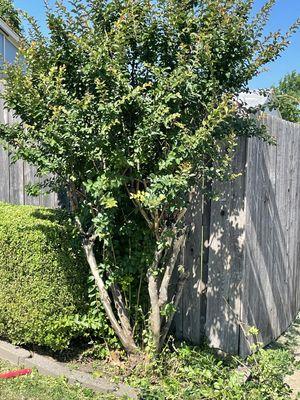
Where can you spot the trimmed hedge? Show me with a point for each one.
(43, 277)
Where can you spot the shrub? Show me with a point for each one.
(43, 278)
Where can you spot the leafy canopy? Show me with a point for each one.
(135, 91)
(287, 97)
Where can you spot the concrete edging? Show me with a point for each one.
(50, 367)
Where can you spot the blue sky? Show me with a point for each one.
(285, 12)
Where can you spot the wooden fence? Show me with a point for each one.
(247, 273)
(242, 251)
(15, 176)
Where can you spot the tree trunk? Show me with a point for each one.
(164, 287)
(159, 293)
(121, 309)
(153, 290)
(177, 297)
(155, 317)
(125, 335)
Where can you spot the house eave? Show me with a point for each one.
(9, 32)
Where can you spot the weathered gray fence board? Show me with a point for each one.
(14, 176)
(294, 236)
(4, 161)
(4, 175)
(226, 258)
(281, 263)
(259, 286)
(49, 200)
(290, 226)
(296, 253)
(16, 187)
(30, 178)
(271, 254)
(189, 322)
(254, 247)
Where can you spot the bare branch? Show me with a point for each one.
(121, 309)
(79, 225)
(142, 211)
(126, 339)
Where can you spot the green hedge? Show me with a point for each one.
(43, 277)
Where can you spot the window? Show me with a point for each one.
(1, 48)
(10, 51)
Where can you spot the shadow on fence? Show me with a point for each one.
(254, 244)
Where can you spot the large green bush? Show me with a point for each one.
(43, 279)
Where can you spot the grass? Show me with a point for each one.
(38, 387)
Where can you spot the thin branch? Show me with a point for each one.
(120, 303)
(121, 309)
(142, 211)
(138, 300)
(79, 225)
(180, 216)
